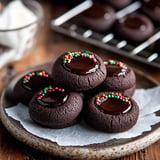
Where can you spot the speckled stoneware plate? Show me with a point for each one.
(112, 149)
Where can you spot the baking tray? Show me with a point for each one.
(144, 53)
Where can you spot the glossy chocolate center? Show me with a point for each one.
(53, 99)
(37, 82)
(97, 11)
(114, 71)
(81, 65)
(114, 106)
(152, 4)
(135, 23)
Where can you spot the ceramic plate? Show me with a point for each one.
(111, 149)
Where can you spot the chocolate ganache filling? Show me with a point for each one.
(52, 97)
(81, 63)
(135, 23)
(34, 81)
(115, 68)
(113, 103)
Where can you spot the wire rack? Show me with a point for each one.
(143, 52)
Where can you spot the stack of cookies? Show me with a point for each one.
(81, 86)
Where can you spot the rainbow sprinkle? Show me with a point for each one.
(70, 55)
(27, 78)
(116, 95)
(46, 90)
(116, 63)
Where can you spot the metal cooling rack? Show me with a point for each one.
(142, 52)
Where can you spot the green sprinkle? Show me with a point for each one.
(45, 91)
(76, 55)
(64, 61)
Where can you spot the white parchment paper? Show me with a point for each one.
(81, 134)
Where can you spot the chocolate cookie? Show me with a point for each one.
(119, 4)
(119, 77)
(54, 107)
(79, 70)
(99, 17)
(30, 84)
(111, 112)
(152, 9)
(135, 27)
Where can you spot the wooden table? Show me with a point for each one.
(50, 46)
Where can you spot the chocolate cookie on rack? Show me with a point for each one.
(79, 70)
(111, 112)
(135, 27)
(100, 17)
(152, 9)
(54, 107)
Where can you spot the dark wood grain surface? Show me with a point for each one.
(50, 45)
